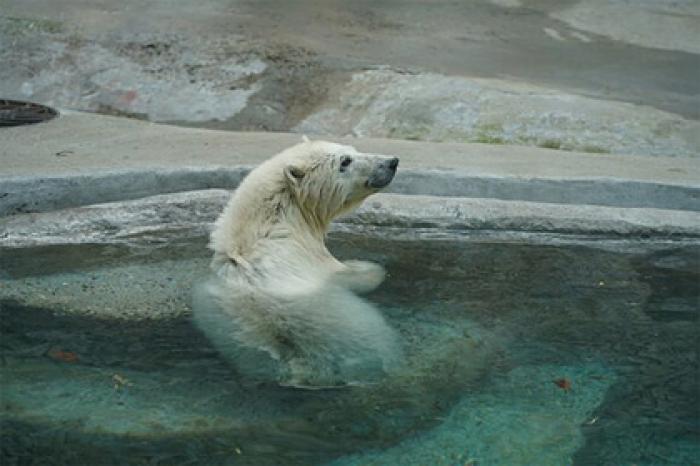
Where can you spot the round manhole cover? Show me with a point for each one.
(15, 113)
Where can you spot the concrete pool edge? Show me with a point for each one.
(31, 194)
(80, 159)
(161, 217)
(56, 172)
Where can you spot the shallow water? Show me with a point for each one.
(100, 363)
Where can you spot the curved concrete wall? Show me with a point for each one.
(41, 194)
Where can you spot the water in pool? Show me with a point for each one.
(518, 353)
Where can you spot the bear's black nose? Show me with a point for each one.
(393, 163)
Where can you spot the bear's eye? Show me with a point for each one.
(345, 161)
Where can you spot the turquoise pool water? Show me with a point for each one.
(519, 352)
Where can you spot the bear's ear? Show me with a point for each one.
(293, 174)
(305, 138)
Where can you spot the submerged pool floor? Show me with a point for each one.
(518, 353)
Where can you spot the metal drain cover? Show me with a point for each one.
(16, 113)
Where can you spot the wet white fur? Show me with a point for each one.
(279, 301)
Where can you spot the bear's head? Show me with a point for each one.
(328, 179)
(301, 189)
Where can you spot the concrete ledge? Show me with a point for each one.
(456, 213)
(25, 194)
(81, 143)
(42, 194)
(163, 217)
(79, 159)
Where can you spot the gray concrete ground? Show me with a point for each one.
(614, 76)
(84, 143)
(80, 159)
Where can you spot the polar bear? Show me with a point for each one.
(279, 304)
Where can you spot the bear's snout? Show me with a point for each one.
(393, 163)
(383, 173)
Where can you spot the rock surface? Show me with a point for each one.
(664, 25)
(557, 74)
(440, 108)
